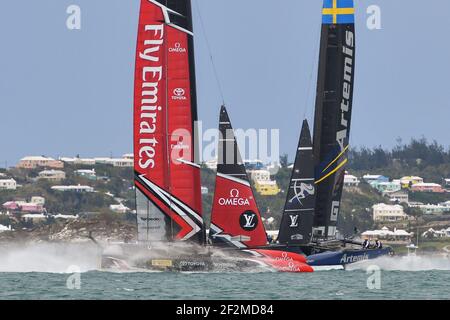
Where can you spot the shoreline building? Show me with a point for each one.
(369, 178)
(383, 186)
(77, 188)
(430, 209)
(52, 175)
(427, 187)
(85, 173)
(386, 234)
(351, 181)
(33, 162)
(263, 184)
(408, 181)
(398, 196)
(388, 212)
(8, 184)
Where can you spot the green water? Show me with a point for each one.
(320, 285)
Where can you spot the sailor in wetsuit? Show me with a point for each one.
(378, 244)
(366, 244)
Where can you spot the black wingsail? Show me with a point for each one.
(298, 214)
(333, 112)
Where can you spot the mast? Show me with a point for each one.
(167, 179)
(333, 111)
(298, 214)
(235, 218)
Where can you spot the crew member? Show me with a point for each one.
(378, 244)
(366, 244)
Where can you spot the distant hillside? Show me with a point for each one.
(430, 161)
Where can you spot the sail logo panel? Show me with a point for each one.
(235, 218)
(167, 179)
(338, 12)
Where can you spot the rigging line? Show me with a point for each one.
(216, 74)
(314, 66)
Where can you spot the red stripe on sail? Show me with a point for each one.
(184, 179)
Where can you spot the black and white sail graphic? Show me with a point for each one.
(298, 214)
(333, 111)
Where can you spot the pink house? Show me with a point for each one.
(24, 206)
(11, 205)
(427, 187)
(32, 208)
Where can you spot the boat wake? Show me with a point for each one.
(49, 258)
(407, 263)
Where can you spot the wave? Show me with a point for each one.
(406, 263)
(49, 258)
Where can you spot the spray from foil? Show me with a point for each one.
(51, 258)
(406, 263)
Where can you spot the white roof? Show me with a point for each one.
(35, 158)
(401, 233)
(424, 184)
(386, 232)
(385, 206)
(34, 216)
(72, 187)
(51, 172)
(411, 178)
(85, 171)
(372, 176)
(64, 216)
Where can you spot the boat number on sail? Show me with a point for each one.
(234, 199)
(248, 221)
(294, 221)
(302, 191)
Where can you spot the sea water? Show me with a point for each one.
(55, 272)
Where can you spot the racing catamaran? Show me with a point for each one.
(171, 234)
(235, 218)
(311, 212)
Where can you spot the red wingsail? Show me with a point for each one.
(235, 218)
(168, 197)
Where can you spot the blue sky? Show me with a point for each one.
(68, 92)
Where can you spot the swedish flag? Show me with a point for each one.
(338, 12)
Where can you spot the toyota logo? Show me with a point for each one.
(179, 92)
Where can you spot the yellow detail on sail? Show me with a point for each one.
(336, 159)
(332, 172)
